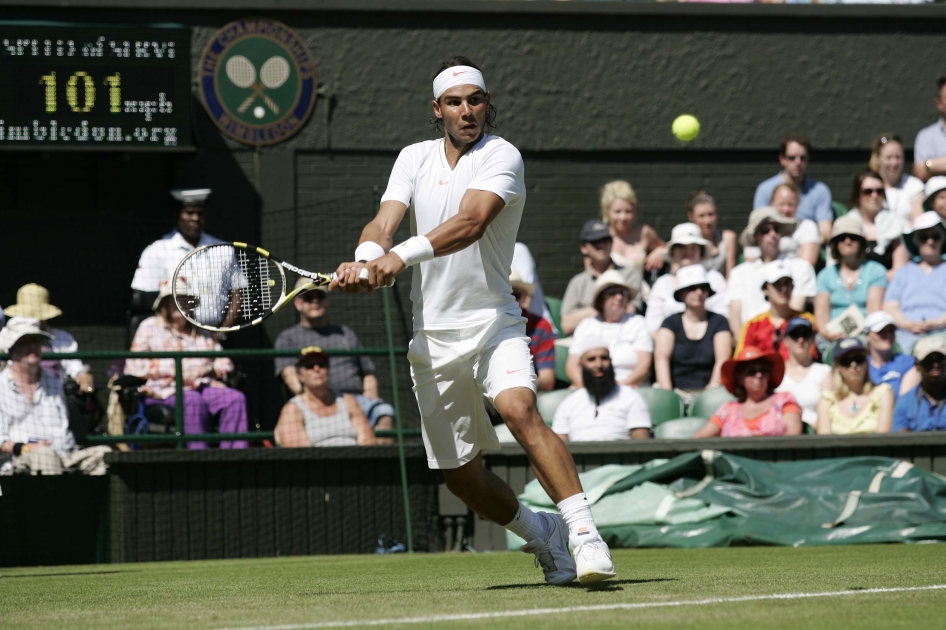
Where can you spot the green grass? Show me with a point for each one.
(240, 593)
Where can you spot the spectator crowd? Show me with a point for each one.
(819, 316)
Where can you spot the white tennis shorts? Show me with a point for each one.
(452, 371)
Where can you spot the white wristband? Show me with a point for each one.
(368, 251)
(415, 250)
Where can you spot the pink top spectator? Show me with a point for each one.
(155, 334)
(731, 423)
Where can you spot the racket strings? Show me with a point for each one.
(222, 286)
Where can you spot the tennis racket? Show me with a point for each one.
(230, 286)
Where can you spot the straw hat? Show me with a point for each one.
(752, 353)
(32, 301)
(923, 222)
(518, 283)
(17, 328)
(691, 276)
(765, 214)
(610, 278)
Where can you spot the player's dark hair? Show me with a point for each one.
(940, 82)
(460, 60)
(798, 138)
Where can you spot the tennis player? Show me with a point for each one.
(466, 194)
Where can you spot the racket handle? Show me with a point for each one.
(364, 276)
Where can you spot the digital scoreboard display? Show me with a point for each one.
(88, 87)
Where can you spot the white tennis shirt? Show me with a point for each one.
(471, 286)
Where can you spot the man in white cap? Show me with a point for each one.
(602, 410)
(466, 193)
(887, 366)
(923, 408)
(746, 300)
(34, 425)
(160, 258)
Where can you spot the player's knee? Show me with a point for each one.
(517, 410)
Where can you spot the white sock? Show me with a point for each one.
(576, 510)
(527, 525)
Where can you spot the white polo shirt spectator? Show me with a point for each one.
(625, 339)
(746, 280)
(160, 259)
(581, 420)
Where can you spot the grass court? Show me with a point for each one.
(826, 587)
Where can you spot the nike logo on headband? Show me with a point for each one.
(456, 74)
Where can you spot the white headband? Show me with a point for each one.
(457, 75)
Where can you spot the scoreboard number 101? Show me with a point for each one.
(82, 82)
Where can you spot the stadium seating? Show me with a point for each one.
(706, 404)
(548, 402)
(680, 429)
(561, 356)
(839, 209)
(555, 310)
(664, 404)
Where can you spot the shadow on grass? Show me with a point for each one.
(606, 586)
(34, 575)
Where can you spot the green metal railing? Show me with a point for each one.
(180, 438)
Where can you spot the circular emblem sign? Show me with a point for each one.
(257, 81)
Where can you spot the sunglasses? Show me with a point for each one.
(849, 362)
(922, 237)
(798, 337)
(312, 296)
(612, 291)
(870, 192)
(314, 364)
(894, 138)
(932, 361)
(765, 229)
(756, 368)
(796, 158)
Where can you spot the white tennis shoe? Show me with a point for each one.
(593, 561)
(552, 553)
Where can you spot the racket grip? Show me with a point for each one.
(364, 276)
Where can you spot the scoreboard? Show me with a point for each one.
(94, 88)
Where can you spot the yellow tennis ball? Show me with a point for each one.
(686, 127)
(271, 282)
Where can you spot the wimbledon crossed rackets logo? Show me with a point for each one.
(257, 80)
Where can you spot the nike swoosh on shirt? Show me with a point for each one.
(514, 371)
(456, 74)
(444, 183)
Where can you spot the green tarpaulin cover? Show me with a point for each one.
(713, 499)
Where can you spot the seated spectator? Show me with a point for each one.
(851, 280)
(803, 375)
(524, 264)
(204, 391)
(602, 410)
(34, 426)
(929, 148)
(746, 299)
(353, 375)
(541, 335)
(916, 309)
(691, 347)
(722, 251)
(886, 366)
(767, 331)
(934, 196)
(596, 248)
(634, 245)
(923, 408)
(318, 415)
(752, 377)
(815, 201)
(631, 346)
(903, 191)
(686, 247)
(806, 235)
(852, 403)
(160, 259)
(881, 227)
(32, 301)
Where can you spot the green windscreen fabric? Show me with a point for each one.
(713, 499)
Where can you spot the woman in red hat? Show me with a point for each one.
(752, 376)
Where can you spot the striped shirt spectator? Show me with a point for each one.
(541, 334)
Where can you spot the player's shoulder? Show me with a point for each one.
(424, 147)
(490, 145)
